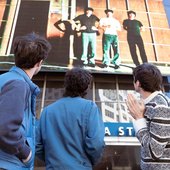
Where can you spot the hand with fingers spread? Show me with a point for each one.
(136, 107)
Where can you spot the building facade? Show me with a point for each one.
(110, 86)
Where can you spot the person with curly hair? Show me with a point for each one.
(70, 134)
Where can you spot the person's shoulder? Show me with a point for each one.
(159, 100)
(95, 16)
(162, 98)
(85, 101)
(91, 103)
(79, 16)
(52, 107)
(137, 21)
(80, 99)
(57, 102)
(17, 84)
(125, 21)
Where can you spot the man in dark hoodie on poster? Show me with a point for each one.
(134, 28)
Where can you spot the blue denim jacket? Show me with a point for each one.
(70, 134)
(17, 119)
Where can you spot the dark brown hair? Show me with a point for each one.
(149, 77)
(30, 49)
(131, 12)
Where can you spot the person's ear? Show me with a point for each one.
(39, 63)
(138, 83)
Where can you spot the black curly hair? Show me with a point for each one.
(76, 82)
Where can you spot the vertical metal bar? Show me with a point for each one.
(93, 92)
(107, 4)
(13, 27)
(151, 31)
(118, 102)
(87, 3)
(72, 14)
(72, 6)
(43, 92)
(69, 9)
(127, 4)
(64, 9)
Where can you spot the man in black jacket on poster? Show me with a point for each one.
(88, 23)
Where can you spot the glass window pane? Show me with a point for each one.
(117, 158)
(167, 85)
(105, 92)
(112, 100)
(89, 95)
(54, 91)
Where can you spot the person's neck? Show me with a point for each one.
(145, 94)
(88, 15)
(29, 72)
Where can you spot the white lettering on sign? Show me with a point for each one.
(129, 130)
(107, 131)
(120, 131)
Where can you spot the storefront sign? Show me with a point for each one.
(119, 129)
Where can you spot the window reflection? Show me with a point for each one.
(118, 158)
(111, 99)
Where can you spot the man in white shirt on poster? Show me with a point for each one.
(110, 26)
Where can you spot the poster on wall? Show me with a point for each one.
(104, 43)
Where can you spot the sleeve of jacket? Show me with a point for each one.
(40, 132)
(125, 24)
(95, 135)
(97, 19)
(78, 18)
(157, 135)
(140, 24)
(13, 101)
